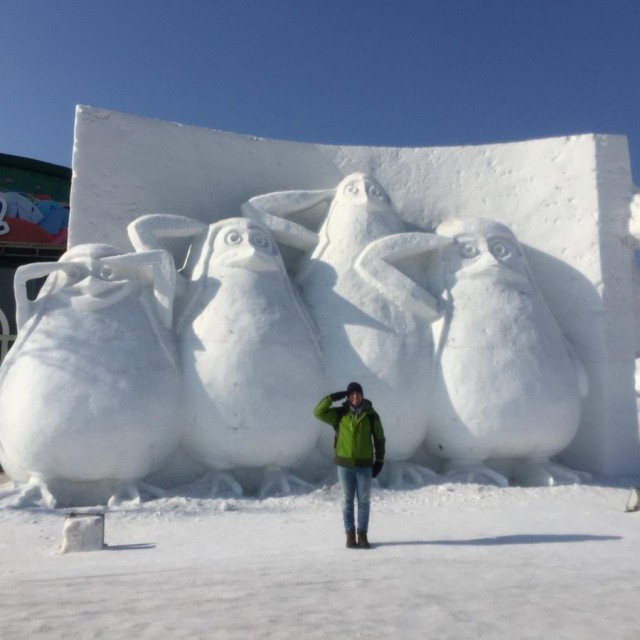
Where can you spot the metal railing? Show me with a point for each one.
(6, 339)
(5, 344)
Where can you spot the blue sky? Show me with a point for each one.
(365, 72)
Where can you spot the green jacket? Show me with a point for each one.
(358, 439)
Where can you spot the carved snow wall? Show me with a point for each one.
(567, 200)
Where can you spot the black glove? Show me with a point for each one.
(338, 395)
(377, 468)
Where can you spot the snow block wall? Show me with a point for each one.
(567, 200)
(533, 359)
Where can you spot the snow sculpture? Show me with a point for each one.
(363, 286)
(567, 197)
(89, 393)
(511, 386)
(250, 357)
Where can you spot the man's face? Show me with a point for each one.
(355, 398)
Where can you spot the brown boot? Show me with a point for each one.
(363, 543)
(351, 540)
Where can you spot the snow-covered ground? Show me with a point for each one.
(448, 562)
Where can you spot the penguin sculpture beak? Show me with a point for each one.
(93, 293)
(248, 257)
(97, 288)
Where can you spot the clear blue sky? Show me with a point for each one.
(366, 72)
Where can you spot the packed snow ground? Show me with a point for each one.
(448, 562)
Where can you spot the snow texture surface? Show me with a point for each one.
(566, 200)
(448, 561)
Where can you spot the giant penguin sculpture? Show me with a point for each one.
(250, 357)
(373, 315)
(89, 393)
(511, 386)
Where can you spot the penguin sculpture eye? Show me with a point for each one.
(107, 273)
(258, 239)
(75, 273)
(375, 192)
(233, 237)
(502, 249)
(468, 250)
(351, 189)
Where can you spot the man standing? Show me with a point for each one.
(359, 454)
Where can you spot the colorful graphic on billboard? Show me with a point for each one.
(34, 201)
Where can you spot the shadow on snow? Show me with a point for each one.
(500, 540)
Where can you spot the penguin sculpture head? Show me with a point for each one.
(482, 248)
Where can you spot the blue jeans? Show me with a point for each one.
(355, 482)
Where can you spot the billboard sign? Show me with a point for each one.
(34, 201)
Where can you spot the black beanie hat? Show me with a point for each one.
(354, 386)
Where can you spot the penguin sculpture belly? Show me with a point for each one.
(367, 338)
(250, 359)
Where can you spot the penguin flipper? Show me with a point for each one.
(377, 265)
